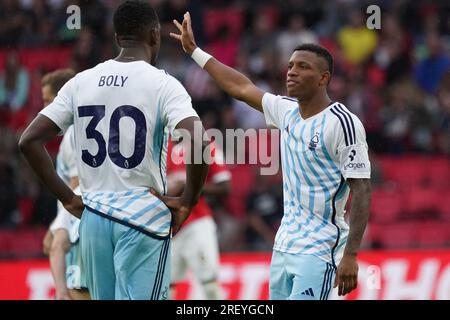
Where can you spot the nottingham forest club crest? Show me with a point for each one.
(314, 141)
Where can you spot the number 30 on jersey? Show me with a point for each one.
(97, 112)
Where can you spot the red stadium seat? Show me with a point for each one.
(438, 172)
(26, 206)
(422, 202)
(6, 238)
(443, 204)
(409, 172)
(50, 58)
(386, 206)
(434, 234)
(397, 235)
(372, 234)
(27, 242)
(233, 18)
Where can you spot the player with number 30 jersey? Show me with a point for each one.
(121, 139)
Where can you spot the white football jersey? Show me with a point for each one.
(122, 115)
(318, 155)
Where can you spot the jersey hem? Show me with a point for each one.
(296, 253)
(146, 232)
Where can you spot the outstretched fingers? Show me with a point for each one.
(175, 36)
(185, 24)
(178, 25)
(188, 22)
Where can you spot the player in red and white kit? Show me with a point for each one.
(195, 247)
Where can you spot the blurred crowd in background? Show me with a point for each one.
(395, 79)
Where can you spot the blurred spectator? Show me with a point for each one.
(429, 70)
(443, 118)
(392, 53)
(39, 25)
(224, 47)
(264, 213)
(173, 60)
(294, 35)
(421, 119)
(246, 117)
(357, 42)
(12, 22)
(87, 53)
(93, 16)
(8, 196)
(14, 84)
(255, 44)
(396, 120)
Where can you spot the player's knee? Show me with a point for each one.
(59, 246)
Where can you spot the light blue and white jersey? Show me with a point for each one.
(66, 168)
(123, 114)
(318, 154)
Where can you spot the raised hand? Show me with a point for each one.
(187, 36)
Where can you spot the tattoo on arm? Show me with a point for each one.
(359, 213)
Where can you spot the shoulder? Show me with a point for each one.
(348, 123)
(169, 79)
(283, 104)
(342, 114)
(172, 87)
(278, 99)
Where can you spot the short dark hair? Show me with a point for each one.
(133, 18)
(57, 79)
(318, 50)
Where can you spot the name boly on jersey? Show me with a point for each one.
(112, 81)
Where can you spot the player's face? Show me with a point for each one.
(304, 75)
(47, 95)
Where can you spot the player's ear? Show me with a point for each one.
(117, 40)
(325, 78)
(154, 35)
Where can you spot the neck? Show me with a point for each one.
(311, 107)
(135, 52)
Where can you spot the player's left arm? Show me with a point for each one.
(347, 272)
(355, 168)
(359, 213)
(32, 145)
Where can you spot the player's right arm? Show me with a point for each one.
(53, 119)
(32, 145)
(231, 81)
